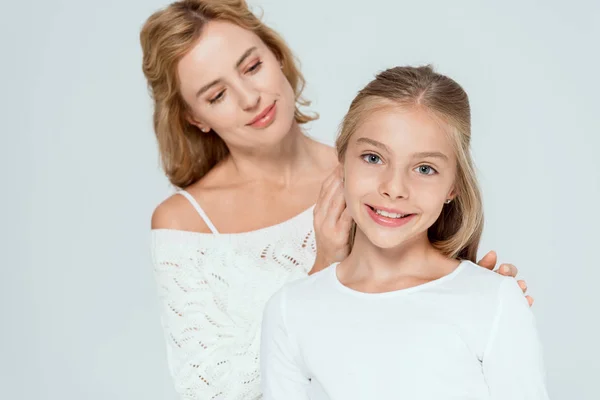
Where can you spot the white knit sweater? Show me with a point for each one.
(213, 289)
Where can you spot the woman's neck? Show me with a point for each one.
(414, 258)
(280, 165)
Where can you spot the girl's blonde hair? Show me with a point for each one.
(188, 154)
(458, 229)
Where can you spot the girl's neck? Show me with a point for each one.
(414, 258)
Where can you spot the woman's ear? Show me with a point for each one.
(197, 123)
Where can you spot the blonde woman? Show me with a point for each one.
(408, 315)
(258, 202)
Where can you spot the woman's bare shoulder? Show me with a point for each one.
(176, 212)
(172, 213)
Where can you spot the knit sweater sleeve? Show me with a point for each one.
(212, 353)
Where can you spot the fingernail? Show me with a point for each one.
(506, 268)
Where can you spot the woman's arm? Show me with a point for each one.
(210, 355)
(513, 363)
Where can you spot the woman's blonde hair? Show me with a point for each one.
(188, 154)
(458, 229)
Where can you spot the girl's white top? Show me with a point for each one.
(213, 288)
(468, 335)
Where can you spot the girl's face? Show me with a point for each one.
(234, 85)
(400, 168)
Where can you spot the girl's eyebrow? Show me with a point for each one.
(373, 143)
(431, 154)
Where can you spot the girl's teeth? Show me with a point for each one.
(388, 214)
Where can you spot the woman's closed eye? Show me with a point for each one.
(218, 97)
(255, 67)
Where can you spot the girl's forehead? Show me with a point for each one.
(402, 129)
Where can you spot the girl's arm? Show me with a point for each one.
(282, 375)
(489, 262)
(513, 364)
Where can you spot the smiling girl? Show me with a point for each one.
(408, 315)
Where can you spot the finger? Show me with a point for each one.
(508, 270)
(320, 209)
(514, 269)
(346, 218)
(530, 300)
(339, 170)
(489, 260)
(327, 202)
(326, 184)
(344, 223)
(523, 286)
(336, 206)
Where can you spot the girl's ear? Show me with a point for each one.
(451, 196)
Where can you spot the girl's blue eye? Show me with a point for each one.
(371, 158)
(426, 170)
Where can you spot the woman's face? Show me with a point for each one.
(234, 85)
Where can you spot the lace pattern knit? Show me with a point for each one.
(213, 288)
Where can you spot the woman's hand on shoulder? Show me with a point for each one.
(489, 261)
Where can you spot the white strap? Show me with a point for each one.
(203, 215)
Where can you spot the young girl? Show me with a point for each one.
(408, 315)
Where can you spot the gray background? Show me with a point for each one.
(80, 173)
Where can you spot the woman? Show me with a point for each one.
(227, 98)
